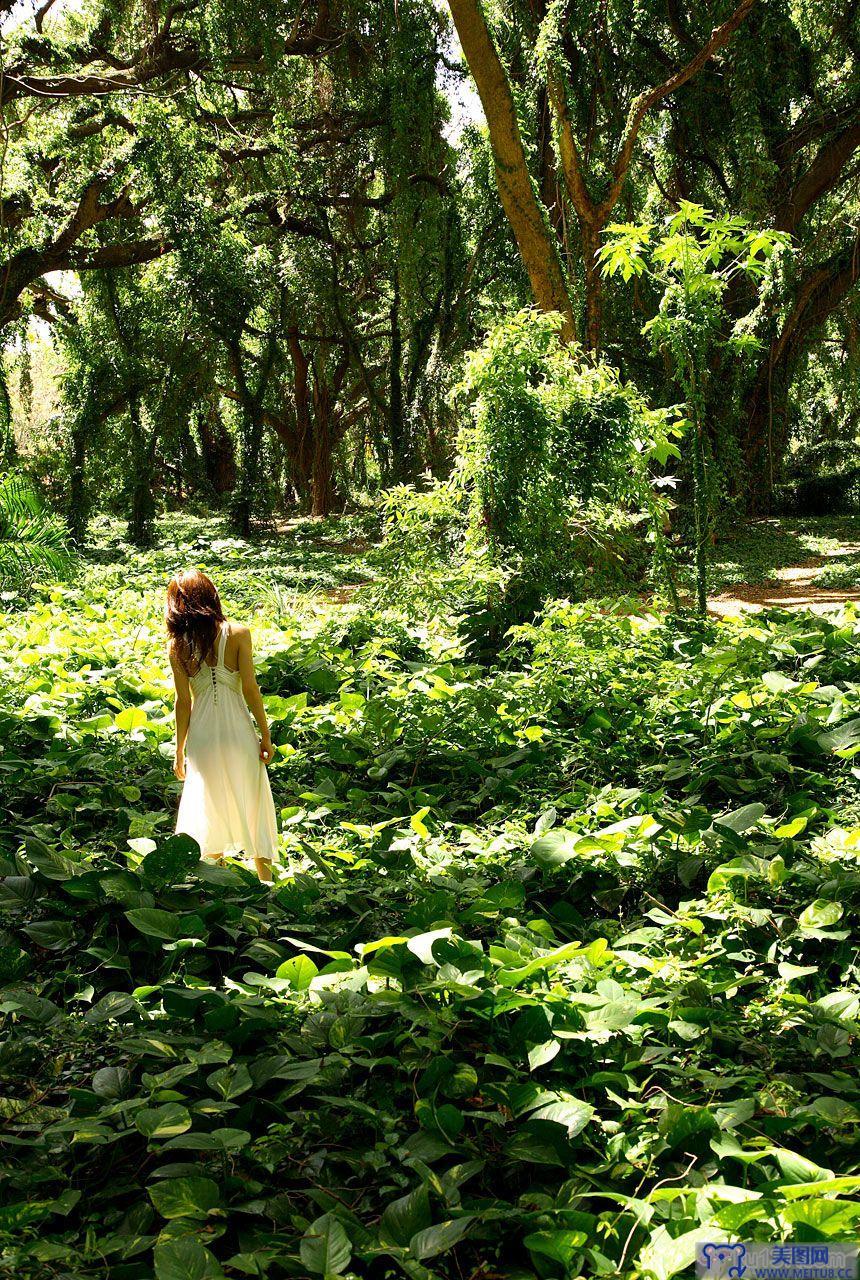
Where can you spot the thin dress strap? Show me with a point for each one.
(222, 644)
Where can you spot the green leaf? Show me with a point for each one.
(325, 1246)
(155, 923)
(184, 1197)
(832, 1218)
(741, 820)
(185, 1258)
(820, 914)
(562, 1246)
(231, 1081)
(680, 1122)
(540, 1054)
(171, 861)
(555, 848)
(131, 718)
(163, 1122)
(572, 1114)
(744, 867)
(405, 1217)
(790, 971)
(843, 738)
(417, 823)
(112, 1082)
(665, 1255)
(432, 1241)
(299, 971)
(421, 945)
(540, 964)
(791, 829)
(797, 1168)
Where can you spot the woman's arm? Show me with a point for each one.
(182, 708)
(251, 690)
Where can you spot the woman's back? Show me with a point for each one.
(222, 667)
(226, 802)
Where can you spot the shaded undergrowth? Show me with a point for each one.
(558, 978)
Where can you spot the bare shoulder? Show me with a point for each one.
(242, 635)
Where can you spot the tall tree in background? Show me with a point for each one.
(591, 196)
(337, 252)
(298, 179)
(753, 108)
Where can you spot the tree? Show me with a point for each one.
(551, 23)
(520, 201)
(293, 231)
(752, 109)
(694, 261)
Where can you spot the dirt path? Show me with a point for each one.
(792, 587)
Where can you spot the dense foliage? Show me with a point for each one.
(556, 439)
(32, 541)
(750, 109)
(558, 971)
(245, 254)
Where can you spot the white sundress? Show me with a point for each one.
(226, 802)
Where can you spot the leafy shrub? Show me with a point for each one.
(843, 575)
(553, 438)
(426, 556)
(823, 495)
(423, 525)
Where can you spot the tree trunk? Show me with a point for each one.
(251, 439)
(768, 430)
(528, 220)
(79, 504)
(141, 501)
(550, 193)
(303, 452)
(766, 427)
(396, 417)
(218, 450)
(322, 466)
(593, 287)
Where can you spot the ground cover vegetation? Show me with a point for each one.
(558, 970)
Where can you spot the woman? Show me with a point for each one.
(226, 801)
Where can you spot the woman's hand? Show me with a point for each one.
(266, 750)
(179, 765)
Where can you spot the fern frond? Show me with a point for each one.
(31, 540)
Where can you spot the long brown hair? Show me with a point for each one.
(193, 616)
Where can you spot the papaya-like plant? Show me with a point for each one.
(693, 260)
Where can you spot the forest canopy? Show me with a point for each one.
(249, 242)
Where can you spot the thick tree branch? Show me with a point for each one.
(720, 37)
(822, 176)
(815, 124)
(18, 84)
(594, 213)
(113, 256)
(162, 58)
(818, 296)
(63, 252)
